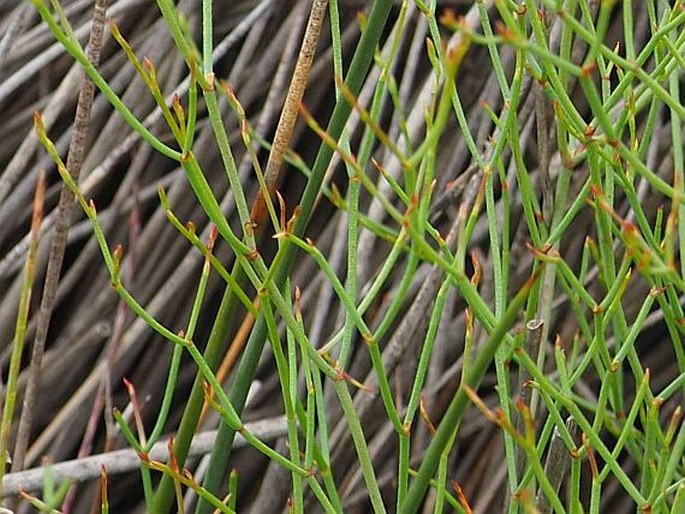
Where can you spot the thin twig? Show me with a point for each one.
(75, 158)
(531, 345)
(556, 464)
(121, 461)
(10, 395)
(286, 123)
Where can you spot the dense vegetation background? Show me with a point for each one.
(94, 341)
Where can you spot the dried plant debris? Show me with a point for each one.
(505, 183)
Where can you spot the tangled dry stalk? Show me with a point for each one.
(94, 341)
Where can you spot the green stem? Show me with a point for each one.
(359, 66)
(459, 403)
